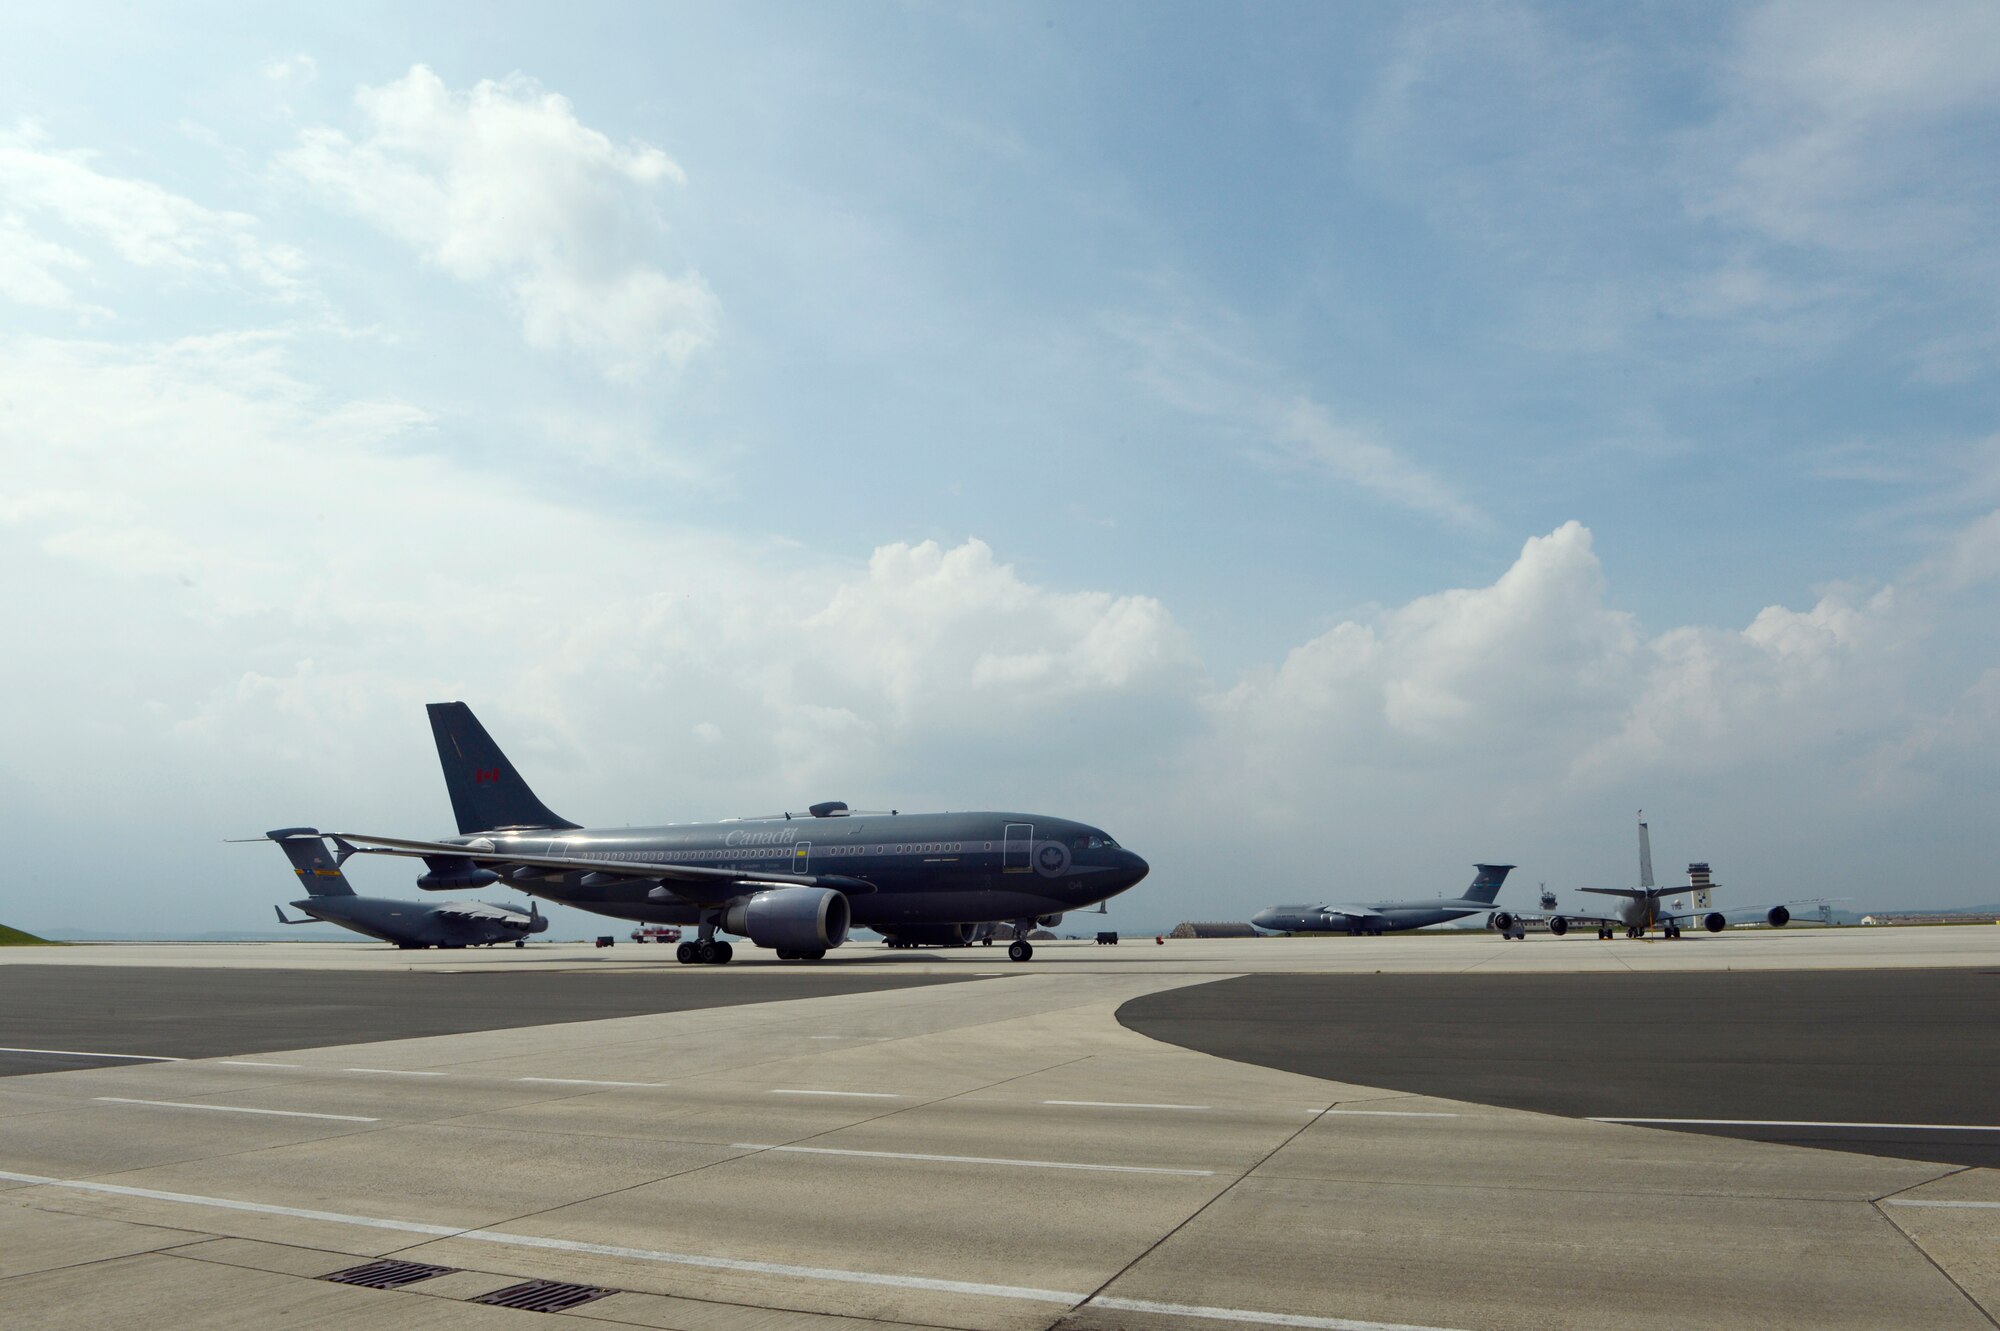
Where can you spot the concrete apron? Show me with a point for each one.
(997, 1154)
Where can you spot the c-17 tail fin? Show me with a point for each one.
(319, 873)
(1486, 882)
(486, 792)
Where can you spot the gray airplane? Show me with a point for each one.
(330, 897)
(1645, 907)
(1381, 917)
(794, 883)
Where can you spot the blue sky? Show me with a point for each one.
(1326, 445)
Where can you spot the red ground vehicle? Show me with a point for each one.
(656, 933)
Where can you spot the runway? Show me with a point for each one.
(727, 1153)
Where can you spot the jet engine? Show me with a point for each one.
(1502, 920)
(454, 873)
(1558, 925)
(1049, 921)
(1713, 922)
(791, 919)
(1778, 917)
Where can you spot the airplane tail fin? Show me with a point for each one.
(1486, 882)
(319, 873)
(1645, 852)
(486, 792)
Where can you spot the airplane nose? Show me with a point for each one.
(1135, 868)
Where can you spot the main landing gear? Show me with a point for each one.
(709, 951)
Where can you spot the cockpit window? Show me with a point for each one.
(1095, 841)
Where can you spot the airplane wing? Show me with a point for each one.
(1792, 909)
(682, 879)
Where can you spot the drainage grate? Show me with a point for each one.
(543, 1296)
(388, 1274)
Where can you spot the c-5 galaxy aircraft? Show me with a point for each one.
(405, 923)
(795, 884)
(1385, 916)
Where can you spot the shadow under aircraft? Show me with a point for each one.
(793, 883)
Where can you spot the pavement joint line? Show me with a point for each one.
(1116, 1104)
(587, 1081)
(397, 1072)
(833, 1275)
(1944, 1205)
(232, 1109)
(1389, 1113)
(857, 1095)
(973, 1160)
(249, 1063)
(1800, 1123)
(86, 1053)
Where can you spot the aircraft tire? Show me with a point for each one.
(816, 954)
(684, 954)
(520, 942)
(1020, 950)
(723, 953)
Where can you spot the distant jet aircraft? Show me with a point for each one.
(405, 923)
(794, 884)
(1386, 916)
(1646, 907)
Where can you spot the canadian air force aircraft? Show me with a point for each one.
(1646, 907)
(331, 898)
(1379, 917)
(792, 883)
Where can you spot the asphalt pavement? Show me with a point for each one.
(1886, 1062)
(54, 1018)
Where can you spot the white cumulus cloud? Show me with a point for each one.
(503, 183)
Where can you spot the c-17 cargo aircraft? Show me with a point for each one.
(1386, 916)
(792, 883)
(330, 897)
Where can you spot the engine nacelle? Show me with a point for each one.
(1713, 922)
(1049, 921)
(791, 919)
(1778, 917)
(1558, 925)
(454, 874)
(1501, 920)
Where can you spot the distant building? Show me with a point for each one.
(1212, 929)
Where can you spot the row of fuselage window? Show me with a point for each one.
(777, 852)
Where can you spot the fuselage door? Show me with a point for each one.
(802, 857)
(1014, 849)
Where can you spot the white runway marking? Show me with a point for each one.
(584, 1081)
(858, 1095)
(396, 1072)
(974, 1160)
(233, 1109)
(834, 1275)
(246, 1063)
(85, 1053)
(1950, 1206)
(1803, 1123)
(1116, 1104)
